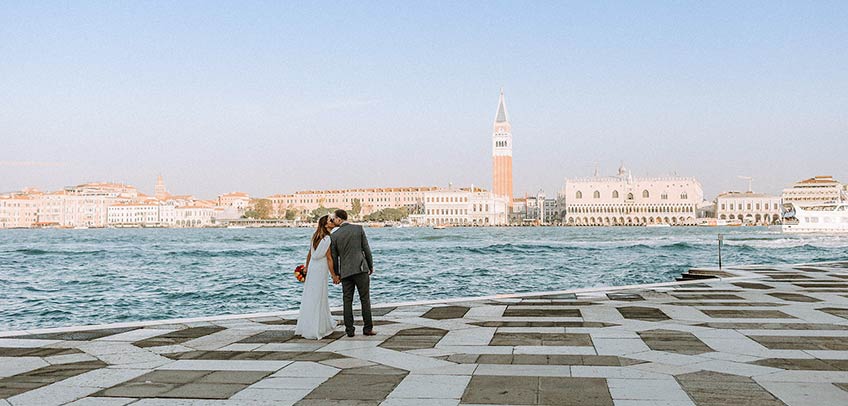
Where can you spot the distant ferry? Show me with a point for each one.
(831, 217)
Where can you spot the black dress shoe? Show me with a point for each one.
(350, 334)
(369, 333)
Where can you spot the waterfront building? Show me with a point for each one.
(540, 209)
(238, 200)
(17, 211)
(369, 200)
(518, 210)
(465, 207)
(502, 152)
(624, 200)
(818, 189)
(193, 216)
(748, 207)
(140, 214)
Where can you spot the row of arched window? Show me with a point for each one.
(615, 195)
(500, 144)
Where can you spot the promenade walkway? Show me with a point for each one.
(766, 335)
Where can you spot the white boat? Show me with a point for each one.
(829, 218)
(658, 225)
(236, 226)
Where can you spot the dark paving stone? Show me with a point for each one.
(177, 337)
(280, 322)
(835, 311)
(544, 339)
(822, 285)
(367, 383)
(717, 389)
(753, 285)
(843, 386)
(185, 384)
(36, 352)
(643, 313)
(502, 390)
(414, 339)
(17, 384)
(540, 359)
(533, 390)
(563, 296)
(679, 342)
(746, 314)
(810, 269)
(728, 304)
(255, 355)
(374, 312)
(557, 303)
(346, 402)
(802, 343)
(446, 312)
(804, 364)
(794, 297)
(568, 391)
(271, 336)
(774, 326)
(589, 324)
(204, 391)
(77, 335)
(519, 312)
(623, 296)
(789, 277)
(708, 296)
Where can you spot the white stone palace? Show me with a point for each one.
(465, 207)
(622, 200)
(748, 207)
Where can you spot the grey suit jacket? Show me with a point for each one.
(350, 250)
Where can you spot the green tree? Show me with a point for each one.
(263, 208)
(291, 214)
(355, 207)
(388, 214)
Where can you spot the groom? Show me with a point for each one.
(353, 263)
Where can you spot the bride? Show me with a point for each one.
(315, 320)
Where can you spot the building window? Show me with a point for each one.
(615, 194)
(645, 194)
(664, 196)
(684, 196)
(579, 195)
(630, 196)
(597, 195)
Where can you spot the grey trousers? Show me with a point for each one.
(361, 282)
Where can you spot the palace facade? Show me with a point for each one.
(622, 200)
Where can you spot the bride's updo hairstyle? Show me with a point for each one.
(321, 232)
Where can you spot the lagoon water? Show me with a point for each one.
(51, 278)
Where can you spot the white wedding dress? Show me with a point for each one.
(315, 320)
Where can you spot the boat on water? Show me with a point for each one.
(720, 223)
(234, 226)
(827, 218)
(658, 225)
(440, 227)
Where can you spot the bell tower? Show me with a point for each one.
(502, 152)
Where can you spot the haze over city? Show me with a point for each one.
(271, 98)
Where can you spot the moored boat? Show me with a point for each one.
(828, 218)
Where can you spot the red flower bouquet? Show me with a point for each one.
(300, 273)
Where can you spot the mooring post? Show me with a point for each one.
(720, 239)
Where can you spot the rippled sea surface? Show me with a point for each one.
(51, 278)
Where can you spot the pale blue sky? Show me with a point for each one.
(270, 97)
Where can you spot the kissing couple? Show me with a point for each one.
(338, 249)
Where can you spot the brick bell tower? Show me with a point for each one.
(502, 153)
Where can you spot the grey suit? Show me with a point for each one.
(352, 261)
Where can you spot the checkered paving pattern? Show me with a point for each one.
(760, 335)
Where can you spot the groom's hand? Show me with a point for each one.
(336, 280)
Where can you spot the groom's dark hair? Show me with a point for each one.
(341, 214)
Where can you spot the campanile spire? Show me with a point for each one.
(502, 152)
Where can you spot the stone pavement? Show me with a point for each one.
(775, 335)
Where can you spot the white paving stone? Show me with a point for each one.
(52, 395)
(419, 402)
(806, 393)
(17, 365)
(471, 336)
(667, 358)
(647, 389)
(630, 402)
(619, 346)
(69, 358)
(136, 335)
(220, 339)
(347, 363)
(736, 368)
(289, 382)
(102, 378)
(229, 365)
(307, 369)
(284, 396)
(476, 349)
(614, 372)
(431, 386)
(21, 343)
(485, 312)
(395, 359)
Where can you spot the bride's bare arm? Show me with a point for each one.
(308, 258)
(330, 266)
